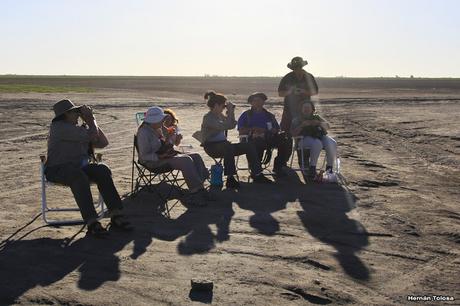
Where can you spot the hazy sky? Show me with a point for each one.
(244, 38)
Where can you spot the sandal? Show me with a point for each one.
(97, 230)
(119, 222)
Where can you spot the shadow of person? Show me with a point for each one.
(201, 238)
(194, 223)
(324, 216)
(265, 199)
(25, 264)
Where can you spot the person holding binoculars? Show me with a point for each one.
(67, 163)
(214, 140)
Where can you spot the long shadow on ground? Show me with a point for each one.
(324, 216)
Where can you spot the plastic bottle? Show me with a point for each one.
(216, 175)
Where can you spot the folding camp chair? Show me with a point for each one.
(265, 162)
(151, 179)
(45, 184)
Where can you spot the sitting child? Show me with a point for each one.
(314, 128)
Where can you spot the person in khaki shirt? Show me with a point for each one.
(68, 163)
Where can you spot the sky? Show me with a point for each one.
(351, 38)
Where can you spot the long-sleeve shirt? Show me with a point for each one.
(148, 143)
(67, 143)
(214, 124)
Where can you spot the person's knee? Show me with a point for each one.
(184, 162)
(104, 170)
(330, 143)
(317, 144)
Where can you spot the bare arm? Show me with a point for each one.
(101, 141)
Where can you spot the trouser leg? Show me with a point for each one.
(225, 150)
(251, 154)
(79, 183)
(284, 146)
(185, 164)
(315, 147)
(200, 166)
(102, 176)
(260, 145)
(330, 146)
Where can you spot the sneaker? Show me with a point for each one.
(329, 169)
(232, 183)
(262, 179)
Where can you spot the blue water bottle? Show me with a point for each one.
(216, 175)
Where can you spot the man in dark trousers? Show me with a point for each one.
(296, 87)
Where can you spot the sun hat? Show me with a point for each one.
(62, 107)
(154, 115)
(297, 62)
(257, 95)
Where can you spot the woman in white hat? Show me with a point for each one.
(155, 150)
(68, 163)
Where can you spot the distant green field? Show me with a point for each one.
(18, 88)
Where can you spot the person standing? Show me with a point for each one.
(296, 88)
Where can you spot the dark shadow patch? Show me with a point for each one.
(314, 299)
(201, 296)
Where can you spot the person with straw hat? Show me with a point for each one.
(68, 163)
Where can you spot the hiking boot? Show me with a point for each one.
(231, 183)
(96, 229)
(262, 179)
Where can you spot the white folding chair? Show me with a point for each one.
(297, 146)
(45, 184)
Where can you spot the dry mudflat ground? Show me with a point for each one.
(392, 230)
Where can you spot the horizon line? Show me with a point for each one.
(222, 76)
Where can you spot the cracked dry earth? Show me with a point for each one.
(392, 229)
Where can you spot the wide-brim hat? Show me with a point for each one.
(62, 107)
(257, 95)
(297, 62)
(154, 114)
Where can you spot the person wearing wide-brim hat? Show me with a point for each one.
(296, 87)
(156, 150)
(68, 163)
(263, 131)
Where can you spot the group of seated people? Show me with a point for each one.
(157, 139)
